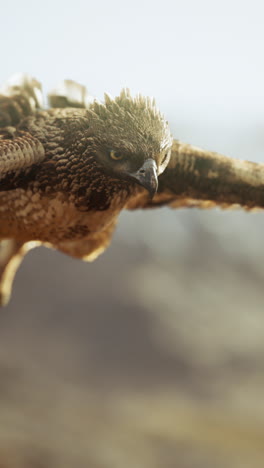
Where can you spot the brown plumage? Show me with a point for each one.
(67, 172)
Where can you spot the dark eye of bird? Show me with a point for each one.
(115, 155)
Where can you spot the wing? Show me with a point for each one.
(21, 96)
(18, 150)
(200, 178)
(68, 93)
(194, 177)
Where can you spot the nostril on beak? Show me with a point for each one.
(147, 177)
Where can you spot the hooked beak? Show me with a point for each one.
(147, 176)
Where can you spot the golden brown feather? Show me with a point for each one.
(67, 172)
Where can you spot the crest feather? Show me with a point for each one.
(135, 123)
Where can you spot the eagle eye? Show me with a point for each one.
(115, 155)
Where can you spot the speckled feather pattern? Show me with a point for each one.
(63, 195)
(59, 188)
(67, 196)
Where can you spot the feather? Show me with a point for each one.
(68, 171)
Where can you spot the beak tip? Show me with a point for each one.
(152, 190)
(147, 176)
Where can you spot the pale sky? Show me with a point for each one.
(202, 60)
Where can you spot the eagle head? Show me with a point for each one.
(130, 138)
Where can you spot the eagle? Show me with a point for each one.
(68, 169)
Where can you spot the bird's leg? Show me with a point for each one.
(12, 253)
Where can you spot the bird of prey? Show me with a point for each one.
(67, 171)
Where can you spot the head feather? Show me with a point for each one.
(134, 124)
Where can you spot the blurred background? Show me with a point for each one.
(153, 356)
